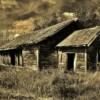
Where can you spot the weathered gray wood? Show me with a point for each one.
(86, 64)
(9, 60)
(0, 59)
(75, 62)
(97, 58)
(5, 58)
(62, 60)
(16, 60)
(73, 50)
(37, 59)
(20, 60)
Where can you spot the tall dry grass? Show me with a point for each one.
(25, 84)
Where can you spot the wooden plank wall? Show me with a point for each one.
(48, 58)
(31, 58)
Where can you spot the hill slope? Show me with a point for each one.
(35, 14)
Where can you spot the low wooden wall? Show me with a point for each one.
(48, 58)
(79, 61)
(31, 58)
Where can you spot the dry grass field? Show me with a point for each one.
(25, 84)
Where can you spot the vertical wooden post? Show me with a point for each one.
(97, 58)
(59, 59)
(21, 61)
(37, 54)
(86, 61)
(22, 58)
(16, 60)
(6, 59)
(3, 58)
(75, 62)
(0, 59)
(9, 60)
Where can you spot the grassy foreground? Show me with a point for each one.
(25, 84)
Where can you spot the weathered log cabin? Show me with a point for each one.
(37, 49)
(80, 51)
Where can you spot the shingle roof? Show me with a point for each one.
(36, 36)
(80, 38)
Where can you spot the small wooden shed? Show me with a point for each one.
(37, 49)
(80, 51)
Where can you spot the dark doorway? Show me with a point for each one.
(70, 63)
(13, 59)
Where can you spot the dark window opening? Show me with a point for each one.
(70, 63)
(13, 59)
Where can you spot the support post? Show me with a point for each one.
(0, 59)
(37, 59)
(9, 60)
(5, 59)
(75, 62)
(86, 62)
(16, 60)
(97, 58)
(20, 60)
(59, 59)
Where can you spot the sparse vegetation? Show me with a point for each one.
(25, 84)
(44, 13)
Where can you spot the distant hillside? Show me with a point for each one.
(35, 14)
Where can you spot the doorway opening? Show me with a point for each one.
(70, 61)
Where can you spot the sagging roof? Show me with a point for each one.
(81, 38)
(36, 36)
